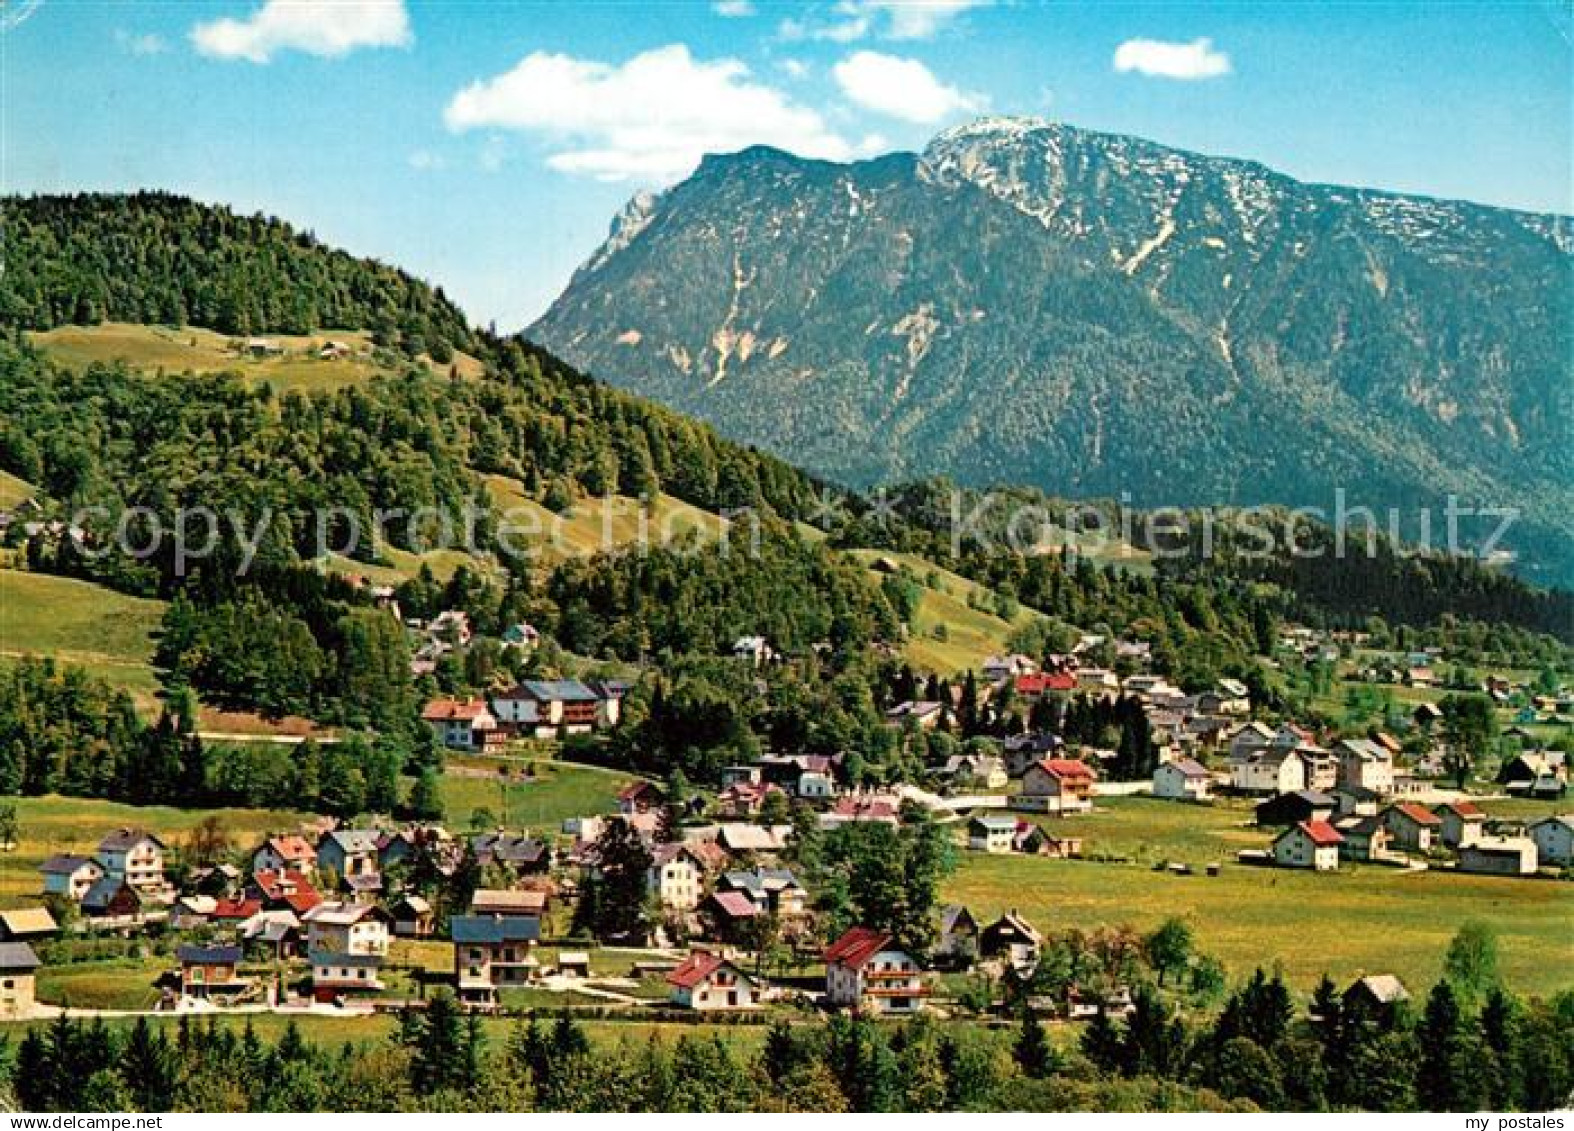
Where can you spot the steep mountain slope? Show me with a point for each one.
(1099, 315)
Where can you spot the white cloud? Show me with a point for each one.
(733, 9)
(1159, 59)
(327, 28)
(651, 118)
(795, 68)
(900, 88)
(850, 20)
(144, 43)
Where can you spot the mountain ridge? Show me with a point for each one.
(1098, 315)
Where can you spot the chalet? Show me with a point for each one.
(1365, 837)
(463, 724)
(70, 876)
(958, 937)
(1056, 785)
(1183, 779)
(336, 974)
(1462, 823)
(348, 853)
(867, 971)
(508, 903)
(1412, 826)
(1365, 763)
(1376, 995)
(413, 917)
(1013, 939)
(18, 969)
(676, 877)
(925, 713)
(347, 928)
(773, 890)
(641, 797)
(492, 952)
(1310, 844)
(209, 970)
(1554, 839)
(989, 833)
(27, 924)
(546, 708)
(135, 856)
(279, 853)
(1500, 856)
(708, 982)
(521, 855)
(1295, 807)
(112, 898)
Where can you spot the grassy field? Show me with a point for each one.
(49, 825)
(14, 490)
(1361, 920)
(593, 525)
(108, 633)
(967, 634)
(193, 349)
(553, 792)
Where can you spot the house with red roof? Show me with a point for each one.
(1036, 684)
(1463, 822)
(285, 852)
(866, 970)
(1412, 826)
(1056, 785)
(463, 724)
(1309, 844)
(707, 982)
(285, 890)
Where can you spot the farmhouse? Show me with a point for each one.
(1056, 785)
(709, 982)
(676, 877)
(1182, 779)
(18, 966)
(545, 708)
(867, 971)
(70, 876)
(1310, 844)
(1554, 838)
(1013, 939)
(1463, 823)
(1499, 856)
(1377, 995)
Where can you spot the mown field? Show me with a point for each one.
(108, 633)
(1360, 920)
(193, 349)
(541, 800)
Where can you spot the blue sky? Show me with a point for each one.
(486, 145)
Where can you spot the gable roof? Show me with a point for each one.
(1321, 833)
(291, 848)
(340, 914)
(353, 841)
(696, 968)
(1420, 814)
(1065, 767)
(954, 916)
(856, 947)
(28, 921)
(735, 904)
(550, 691)
(208, 955)
(1187, 767)
(493, 930)
(65, 865)
(454, 710)
(122, 840)
(18, 956)
(1384, 988)
(504, 901)
(1469, 810)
